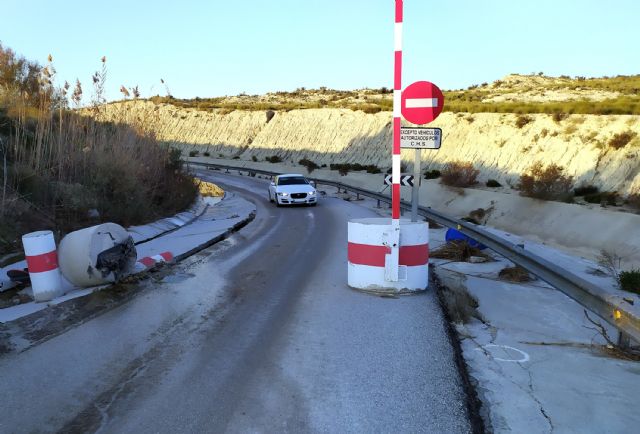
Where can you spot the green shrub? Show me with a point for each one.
(559, 117)
(620, 140)
(206, 154)
(459, 174)
(274, 159)
(254, 158)
(523, 120)
(546, 183)
(174, 159)
(193, 153)
(310, 165)
(634, 200)
(603, 198)
(585, 190)
(493, 183)
(432, 174)
(270, 114)
(371, 168)
(630, 281)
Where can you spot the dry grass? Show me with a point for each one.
(458, 251)
(460, 305)
(476, 99)
(59, 165)
(621, 140)
(515, 274)
(548, 183)
(459, 174)
(209, 189)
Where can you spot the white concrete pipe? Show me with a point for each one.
(367, 250)
(42, 261)
(97, 255)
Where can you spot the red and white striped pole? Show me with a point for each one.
(394, 240)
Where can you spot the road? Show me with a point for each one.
(257, 334)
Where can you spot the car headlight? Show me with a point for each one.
(312, 193)
(283, 194)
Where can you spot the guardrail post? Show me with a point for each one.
(378, 204)
(357, 196)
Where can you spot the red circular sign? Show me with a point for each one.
(422, 102)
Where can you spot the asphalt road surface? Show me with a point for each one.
(257, 334)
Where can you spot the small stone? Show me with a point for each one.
(477, 259)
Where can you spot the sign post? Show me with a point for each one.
(393, 238)
(416, 186)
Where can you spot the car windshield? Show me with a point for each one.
(292, 180)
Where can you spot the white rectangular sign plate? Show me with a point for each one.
(420, 138)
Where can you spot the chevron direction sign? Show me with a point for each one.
(406, 180)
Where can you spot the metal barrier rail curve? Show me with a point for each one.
(610, 307)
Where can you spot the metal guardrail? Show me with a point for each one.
(612, 308)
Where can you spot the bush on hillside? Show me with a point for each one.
(493, 183)
(193, 153)
(459, 174)
(344, 168)
(523, 120)
(432, 174)
(310, 165)
(603, 198)
(270, 114)
(548, 183)
(584, 190)
(621, 140)
(372, 168)
(630, 281)
(559, 117)
(274, 159)
(634, 200)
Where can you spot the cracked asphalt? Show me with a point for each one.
(257, 334)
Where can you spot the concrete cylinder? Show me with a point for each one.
(83, 260)
(368, 246)
(42, 261)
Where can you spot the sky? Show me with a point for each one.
(215, 47)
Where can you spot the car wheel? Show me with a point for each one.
(270, 198)
(277, 202)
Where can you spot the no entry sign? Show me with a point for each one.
(422, 102)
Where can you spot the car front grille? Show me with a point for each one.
(298, 195)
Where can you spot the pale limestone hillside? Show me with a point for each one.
(499, 144)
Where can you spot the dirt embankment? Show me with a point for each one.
(502, 146)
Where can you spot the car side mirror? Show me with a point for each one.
(313, 184)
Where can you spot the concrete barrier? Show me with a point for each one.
(97, 255)
(42, 261)
(368, 251)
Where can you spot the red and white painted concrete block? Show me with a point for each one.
(42, 261)
(150, 261)
(369, 253)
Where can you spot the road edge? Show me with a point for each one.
(473, 401)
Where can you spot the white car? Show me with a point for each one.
(292, 189)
